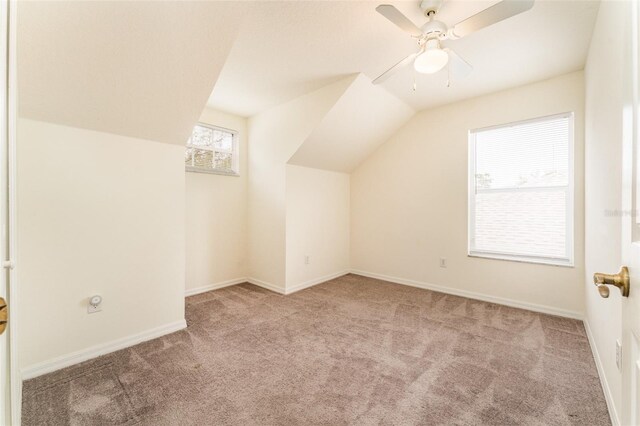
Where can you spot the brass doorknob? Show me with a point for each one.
(620, 280)
(3, 315)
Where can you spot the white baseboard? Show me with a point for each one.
(615, 420)
(216, 286)
(313, 282)
(98, 350)
(473, 295)
(266, 285)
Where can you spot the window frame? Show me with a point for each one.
(568, 260)
(235, 161)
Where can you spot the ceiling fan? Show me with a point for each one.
(431, 57)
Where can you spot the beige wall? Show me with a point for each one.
(216, 216)
(274, 136)
(317, 225)
(603, 180)
(409, 203)
(97, 214)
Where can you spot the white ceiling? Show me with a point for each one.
(140, 69)
(286, 49)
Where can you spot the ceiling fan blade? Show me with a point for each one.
(496, 13)
(395, 16)
(388, 73)
(458, 67)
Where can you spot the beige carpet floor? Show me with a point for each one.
(351, 351)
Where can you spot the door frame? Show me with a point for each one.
(14, 389)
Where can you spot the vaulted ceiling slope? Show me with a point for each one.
(362, 119)
(286, 49)
(140, 69)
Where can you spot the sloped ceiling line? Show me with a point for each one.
(362, 119)
(137, 69)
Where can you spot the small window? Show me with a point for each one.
(212, 149)
(521, 191)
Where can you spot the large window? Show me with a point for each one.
(212, 149)
(521, 191)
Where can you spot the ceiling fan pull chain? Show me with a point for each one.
(449, 75)
(414, 82)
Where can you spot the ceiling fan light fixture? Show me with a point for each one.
(431, 61)
(431, 58)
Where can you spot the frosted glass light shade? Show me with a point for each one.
(431, 61)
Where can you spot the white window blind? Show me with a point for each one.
(521, 191)
(212, 150)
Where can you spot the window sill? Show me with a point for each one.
(211, 172)
(523, 259)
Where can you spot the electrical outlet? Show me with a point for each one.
(443, 262)
(618, 355)
(307, 259)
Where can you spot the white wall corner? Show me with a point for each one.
(297, 287)
(316, 281)
(266, 285)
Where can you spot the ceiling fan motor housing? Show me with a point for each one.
(434, 28)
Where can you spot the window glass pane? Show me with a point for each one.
(203, 158)
(222, 140)
(188, 157)
(521, 198)
(524, 155)
(531, 223)
(223, 161)
(201, 136)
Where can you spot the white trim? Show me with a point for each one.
(521, 122)
(99, 350)
(266, 285)
(570, 219)
(191, 169)
(315, 281)
(615, 420)
(550, 261)
(216, 286)
(473, 295)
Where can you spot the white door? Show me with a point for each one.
(631, 225)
